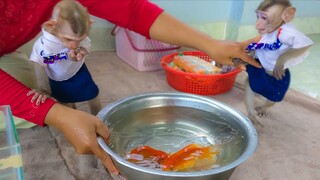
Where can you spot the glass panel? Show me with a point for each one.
(11, 166)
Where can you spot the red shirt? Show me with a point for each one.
(21, 20)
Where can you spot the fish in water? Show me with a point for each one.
(147, 152)
(192, 157)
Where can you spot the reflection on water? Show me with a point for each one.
(169, 129)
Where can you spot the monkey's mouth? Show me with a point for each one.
(261, 31)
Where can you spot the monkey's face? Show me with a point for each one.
(68, 37)
(269, 20)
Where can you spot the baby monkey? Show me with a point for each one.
(278, 46)
(61, 52)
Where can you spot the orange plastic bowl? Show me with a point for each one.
(208, 84)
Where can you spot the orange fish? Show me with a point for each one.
(149, 153)
(193, 157)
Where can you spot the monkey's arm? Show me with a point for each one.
(279, 70)
(42, 92)
(41, 78)
(83, 50)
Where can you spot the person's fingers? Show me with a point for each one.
(118, 177)
(103, 131)
(246, 58)
(105, 158)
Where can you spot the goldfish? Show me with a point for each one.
(148, 152)
(193, 157)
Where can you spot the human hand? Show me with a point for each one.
(231, 53)
(238, 62)
(39, 96)
(78, 53)
(81, 130)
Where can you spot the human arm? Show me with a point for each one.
(80, 128)
(14, 93)
(150, 20)
(168, 29)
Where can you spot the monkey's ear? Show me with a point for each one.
(50, 23)
(288, 14)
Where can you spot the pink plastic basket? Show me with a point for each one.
(139, 52)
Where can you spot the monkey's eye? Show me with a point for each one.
(261, 15)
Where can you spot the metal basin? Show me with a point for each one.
(168, 122)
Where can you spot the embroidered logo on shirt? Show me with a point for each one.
(51, 58)
(274, 46)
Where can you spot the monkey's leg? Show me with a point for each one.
(95, 105)
(249, 102)
(71, 105)
(262, 110)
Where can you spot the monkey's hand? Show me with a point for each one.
(38, 96)
(279, 71)
(78, 54)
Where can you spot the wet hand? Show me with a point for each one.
(81, 129)
(225, 52)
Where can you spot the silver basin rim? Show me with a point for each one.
(248, 151)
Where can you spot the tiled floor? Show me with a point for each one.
(305, 77)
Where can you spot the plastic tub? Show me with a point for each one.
(11, 166)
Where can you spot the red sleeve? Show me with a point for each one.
(136, 15)
(20, 21)
(14, 93)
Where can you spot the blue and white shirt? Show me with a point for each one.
(50, 53)
(272, 45)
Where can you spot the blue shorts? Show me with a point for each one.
(80, 87)
(266, 85)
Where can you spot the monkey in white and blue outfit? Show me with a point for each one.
(61, 52)
(279, 46)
